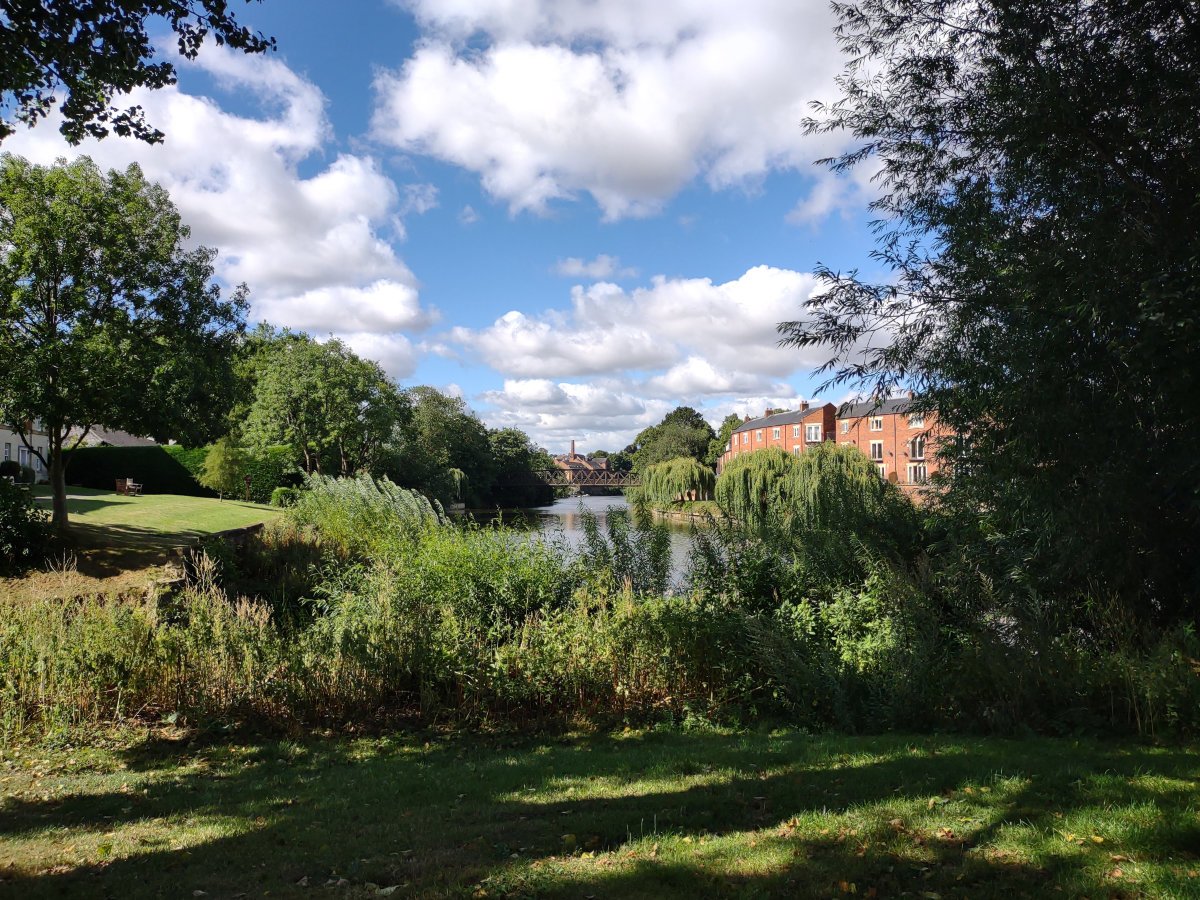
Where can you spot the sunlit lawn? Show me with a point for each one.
(111, 534)
(644, 814)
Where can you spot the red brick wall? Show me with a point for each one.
(791, 436)
(895, 439)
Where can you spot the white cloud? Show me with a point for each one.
(676, 341)
(729, 327)
(603, 266)
(468, 215)
(623, 100)
(310, 247)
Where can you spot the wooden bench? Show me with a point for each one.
(129, 487)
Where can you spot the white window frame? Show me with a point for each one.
(758, 436)
(882, 467)
(916, 448)
(845, 428)
(795, 431)
(918, 473)
(745, 437)
(916, 420)
(7, 451)
(876, 445)
(776, 434)
(813, 433)
(876, 423)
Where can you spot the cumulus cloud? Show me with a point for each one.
(312, 248)
(603, 266)
(622, 100)
(697, 329)
(677, 341)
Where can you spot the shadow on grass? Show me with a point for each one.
(454, 817)
(106, 550)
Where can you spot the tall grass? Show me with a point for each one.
(362, 515)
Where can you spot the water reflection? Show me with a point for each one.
(563, 520)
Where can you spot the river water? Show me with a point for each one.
(563, 519)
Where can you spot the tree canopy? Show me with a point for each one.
(336, 410)
(1038, 213)
(94, 50)
(106, 318)
(682, 432)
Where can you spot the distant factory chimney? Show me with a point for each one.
(572, 448)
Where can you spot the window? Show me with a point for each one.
(8, 451)
(38, 459)
(876, 423)
(812, 433)
(758, 435)
(23, 456)
(845, 428)
(916, 420)
(775, 434)
(916, 447)
(882, 467)
(745, 437)
(798, 449)
(795, 431)
(876, 450)
(918, 473)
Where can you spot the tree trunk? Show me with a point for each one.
(58, 485)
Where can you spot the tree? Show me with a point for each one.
(105, 318)
(224, 468)
(716, 447)
(93, 50)
(516, 463)
(442, 434)
(336, 410)
(676, 480)
(682, 432)
(1040, 217)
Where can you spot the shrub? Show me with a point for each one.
(10, 468)
(24, 530)
(358, 515)
(28, 475)
(161, 469)
(284, 497)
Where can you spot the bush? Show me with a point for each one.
(24, 530)
(28, 475)
(223, 466)
(358, 516)
(10, 468)
(284, 497)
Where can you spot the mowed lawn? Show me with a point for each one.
(640, 814)
(104, 518)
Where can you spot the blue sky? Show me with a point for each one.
(577, 213)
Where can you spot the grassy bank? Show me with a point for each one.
(637, 814)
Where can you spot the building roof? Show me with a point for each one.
(791, 417)
(892, 406)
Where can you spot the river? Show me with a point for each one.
(563, 518)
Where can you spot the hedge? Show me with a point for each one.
(175, 470)
(161, 470)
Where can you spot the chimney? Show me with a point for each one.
(572, 448)
(803, 406)
(910, 395)
(745, 420)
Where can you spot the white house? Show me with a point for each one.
(12, 447)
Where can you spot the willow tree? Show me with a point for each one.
(753, 487)
(838, 510)
(677, 480)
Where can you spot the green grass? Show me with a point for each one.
(116, 532)
(639, 814)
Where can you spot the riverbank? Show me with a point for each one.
(690, 512)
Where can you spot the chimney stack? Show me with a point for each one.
(803, 406)
(747, 419)
(910, 395)
(572, 448)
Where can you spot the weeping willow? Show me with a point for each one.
(676, 480)
(753, 487)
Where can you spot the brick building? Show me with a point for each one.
(901, 443)
(792, 431)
